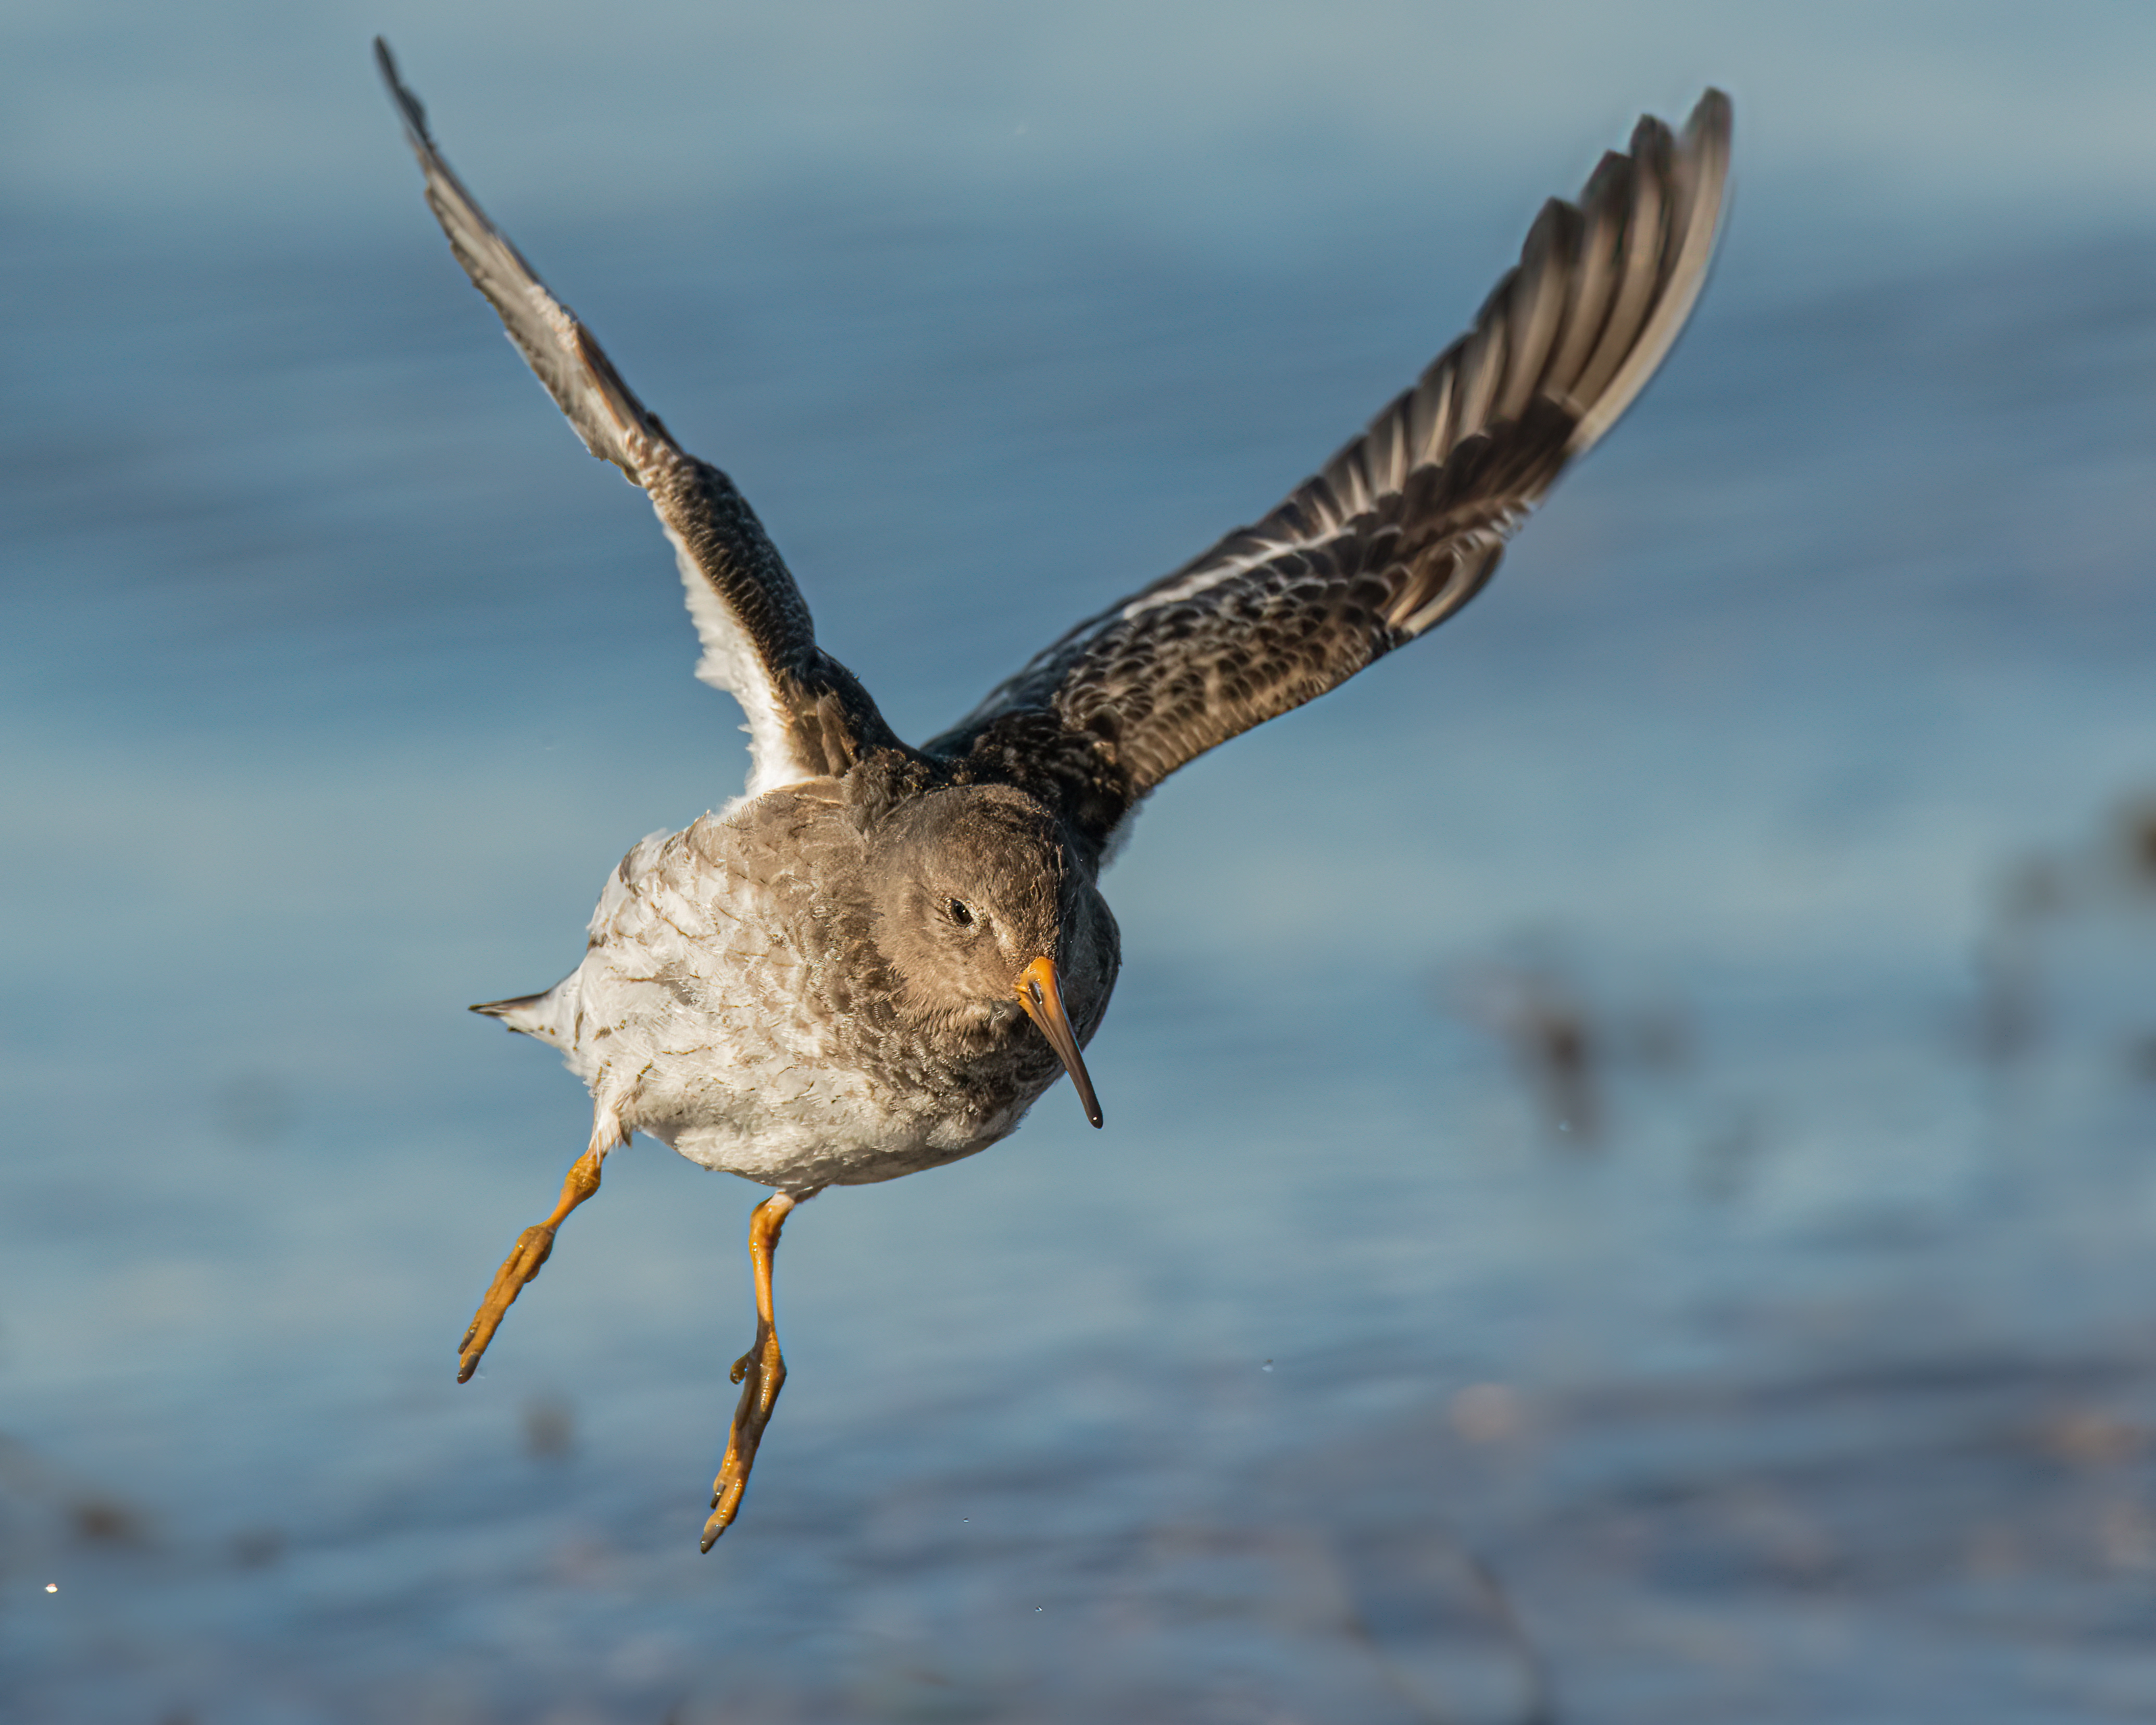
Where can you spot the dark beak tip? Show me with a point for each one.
(1043, 1001)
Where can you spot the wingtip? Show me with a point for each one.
(1709, 127)
(410, 108)
(1701, 171)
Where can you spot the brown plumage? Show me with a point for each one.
(879, 957)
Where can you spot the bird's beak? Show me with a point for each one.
(1042, 996)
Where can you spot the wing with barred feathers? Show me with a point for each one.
(807, 714)
(1403, 527)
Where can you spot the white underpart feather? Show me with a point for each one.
(730, 662)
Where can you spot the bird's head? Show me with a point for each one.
(984, 910)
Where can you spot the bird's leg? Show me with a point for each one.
(760, 1372)
(530, 1251)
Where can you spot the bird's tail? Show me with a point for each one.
(528, 1013)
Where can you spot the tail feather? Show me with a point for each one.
(525, 1014)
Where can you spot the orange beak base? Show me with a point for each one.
(1042, 996)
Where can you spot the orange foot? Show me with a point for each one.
(760, 1372)
(532, 1250)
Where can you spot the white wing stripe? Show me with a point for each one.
(730, 663)
(1211, 575)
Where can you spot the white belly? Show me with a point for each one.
(719, 1010)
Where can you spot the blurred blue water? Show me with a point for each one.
(1804, 1375)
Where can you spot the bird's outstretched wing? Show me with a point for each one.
(1402, 527)
(807, 714)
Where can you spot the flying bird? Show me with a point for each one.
(876, 959)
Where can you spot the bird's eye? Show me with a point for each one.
(959, 914)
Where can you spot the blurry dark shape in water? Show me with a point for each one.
(2036, 890)
(257, 1548)
(2136, 840)
(2008, 1015)
(254, 1110)
(1558, 1050)
(91, 1516)
(550, 1428)
(106, 1521)
(1563, 1047)
(2043, 912)
(1441, 1626)
(2141, 1057)
(2121, 862)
